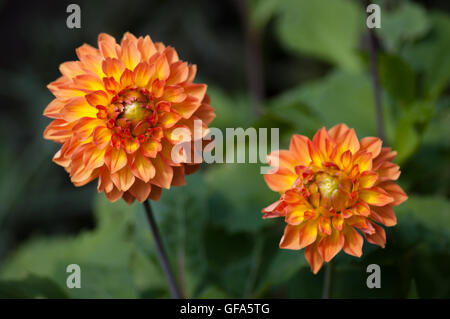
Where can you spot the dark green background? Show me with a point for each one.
(314, 71)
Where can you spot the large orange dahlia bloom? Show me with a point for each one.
(115, 114)
(333, 189)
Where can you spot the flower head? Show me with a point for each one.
(332, 189)
(116, 113)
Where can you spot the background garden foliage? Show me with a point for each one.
(316, 73)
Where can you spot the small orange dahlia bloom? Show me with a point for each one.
(115, 114)
(330, 188)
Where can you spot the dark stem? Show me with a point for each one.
(254, 60)
(326, 293)
(162, 256)
(375, 80)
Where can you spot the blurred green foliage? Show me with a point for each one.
(317, 74)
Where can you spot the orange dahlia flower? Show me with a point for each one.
(332, 189)
(115, 113)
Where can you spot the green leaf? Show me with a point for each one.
(410, 128)
(329, 30)
(405, 24)
(431, 214)
(397, 77)
(343, 97)
(231, 110)
(429, 56)
(261, 11)
(31, 287)
(239, 193)
(102, 254)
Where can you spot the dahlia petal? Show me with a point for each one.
(314, 154)
(314, 258)
(128, 198)
(325, 225)
(53, 109)
(164, 173)
(178, 176)
(338, 132)
(77, 108)
(142, 168)
(299, 149)
(363, 160)
(371, 145)
(386, 154)
(375, 196)
(142, 74)
(140, 190)
(104, 182)
(58, 131)
(387, 215)
(88, 83)
(331, 245)
(85, 126)
(280, 181)
(178, 134)
(285, 159)
(115, 159)
(102, 136)
(93, 157)
(107, 45)
(146, 47)
(126, 78)
(368, 179)
(111, 85)
(97, 98)
(196, 90)
(114, 195)
(113, 68)
(169, 119)
(308, 233)
(85, 50)
(353, 241)
(296, 215)
(395, 191)
(179, 72)
(151, 148)
(346, 160)
(162, 69)
(320, 140)
(71, 69)
(187, 107)
(171, 54)
(131, 145)
(123, 179)
(349, 142)
(93, 63)
(174, 94)
(378, 237)
(155, 193)
(362, 209)
(338, 222)
(206, 113)
(271, 207)
(388, 171)
(130, 55)
(291, 238)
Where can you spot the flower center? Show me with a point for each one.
(327, 185)
(134, 111)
